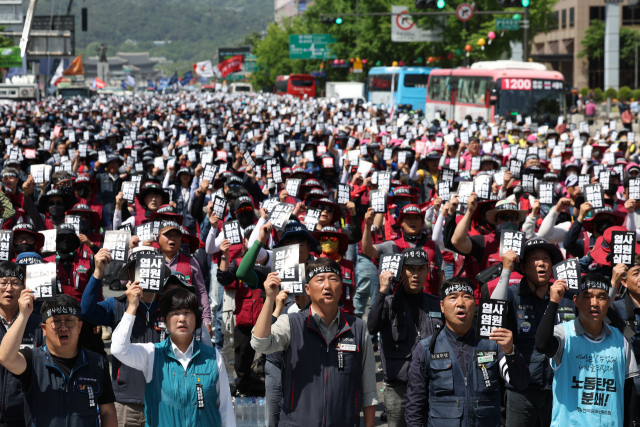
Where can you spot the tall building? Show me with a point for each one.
(284, 10)
(567, 25)
(11, 14)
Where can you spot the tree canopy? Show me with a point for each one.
(593, 42)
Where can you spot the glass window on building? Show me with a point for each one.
(572, 17)
(630, 16)
(564, 18)
(553, 20)
(597, 13)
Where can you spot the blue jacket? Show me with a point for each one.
(523, 317)
(56, 401)
(179, 397)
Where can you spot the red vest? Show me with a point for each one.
(93, 204)
(470, 268)
(48, 225)
(95, 238)
(140, 216)
(184, 266)
(432, 286)
(75, 283)
(248, 301)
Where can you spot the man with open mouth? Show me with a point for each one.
(454, 376)
(594, 364)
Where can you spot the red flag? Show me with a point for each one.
(99, 83)
(230, 65)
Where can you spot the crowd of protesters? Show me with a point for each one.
(302, 238)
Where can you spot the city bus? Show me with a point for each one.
(409, 85)
(297, 85)
(497, 89)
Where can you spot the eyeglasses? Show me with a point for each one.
(325, 208)
(327, 238)
(58, 203)
(246, 209)
(16, 284)
(507, 218)
(57, 324)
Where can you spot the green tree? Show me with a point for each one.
(625, 92)
(611, 93)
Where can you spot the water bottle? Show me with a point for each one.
(262, 413)
(239, 408)
(246, 418)
(254, 412)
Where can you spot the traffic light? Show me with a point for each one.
(331, 21)
(430, 4)
(526, 3)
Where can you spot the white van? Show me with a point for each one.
(240, 87)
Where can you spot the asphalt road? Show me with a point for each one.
(379, 384)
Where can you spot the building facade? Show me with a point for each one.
(284, 10)
(560, 46)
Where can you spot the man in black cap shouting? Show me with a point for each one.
(454, 376)
(402, 319)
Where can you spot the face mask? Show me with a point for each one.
(611, 191)
(83, 192)
(85, 226)
(67, 189)
(66, 244)
(25, 247)
(245, 219)
(601, 226)
(329, 247)
(185, 249)
(56, 211)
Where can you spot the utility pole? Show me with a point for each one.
(525, 43)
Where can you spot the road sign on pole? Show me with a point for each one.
(403, 29)
(311, 46)
(464, 12)
(507, 24)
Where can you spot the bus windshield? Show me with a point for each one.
(301, 83)
(281, 86)
(382, 83)
(532, 103)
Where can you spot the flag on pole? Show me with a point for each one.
(186, 79)
(58, 74)
(76, 68)
(131, 81)
(173, 79)
(123, 85)
(229, 66)
(204, 69)
(98, 84)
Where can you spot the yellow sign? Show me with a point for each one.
(357, 65)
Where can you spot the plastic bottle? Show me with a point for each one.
(262, 413)
(239, 408)
(246, 418)
(254, 412)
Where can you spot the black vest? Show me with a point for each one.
(56, 401)
(401, 333)
(321, 384)
(129, 383)
(11, 397)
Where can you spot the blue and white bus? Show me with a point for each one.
(410, 85)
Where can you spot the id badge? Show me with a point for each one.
(347, 347)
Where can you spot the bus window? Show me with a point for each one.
(281, 86)
(472, 90)
(439, 88)
(416, 80)
(301, 83)
(381, 83)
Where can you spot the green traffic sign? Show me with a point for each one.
(10, 57)
(311, 46)
(507, 24)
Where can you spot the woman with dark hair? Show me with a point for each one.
(199, 397)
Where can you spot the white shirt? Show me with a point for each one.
(142, 356)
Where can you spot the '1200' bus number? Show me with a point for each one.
(516, 84)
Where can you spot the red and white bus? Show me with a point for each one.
(297, 85)
(497, 89)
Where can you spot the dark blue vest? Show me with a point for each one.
(128, 383)
(318, 390)
(56, 401)
(188, 221)
(458, 400)
(401, 333)
(528, 309)
(11, 397)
